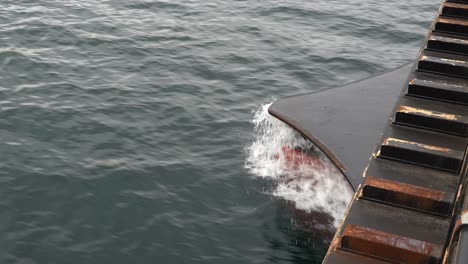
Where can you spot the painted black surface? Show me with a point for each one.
(453, 26)
(433, 115)
(345, 122)
(438, 88)
(454, 11)
(413, 174)
(440, 42)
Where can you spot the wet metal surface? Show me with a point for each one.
(405, 143)
(456, 26)
(413, 174)
(449, 66)
(432, 115)
(406, 195)
(389, 246)
(455, 9)
(396, 220)
(408, 200)
(448, 44)
(329, 118)
(446, 89)
(426, 155)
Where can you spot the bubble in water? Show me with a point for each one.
(306, 178)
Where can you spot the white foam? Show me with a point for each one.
(311, 188)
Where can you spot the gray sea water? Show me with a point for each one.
(124, 123)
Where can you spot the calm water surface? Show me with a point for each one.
(123, 124)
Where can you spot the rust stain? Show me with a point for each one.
(335, 243)
(413, 110)
(357, 194)
(458, 223)
(367, 240)
(389, 140)
(403, 188)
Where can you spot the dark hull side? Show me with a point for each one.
(345, 122)
(401, 139)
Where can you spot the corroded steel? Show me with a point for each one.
(407, 195)
(388, 246)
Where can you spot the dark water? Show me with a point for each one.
(123, 123)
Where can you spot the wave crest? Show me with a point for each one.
(312, 188)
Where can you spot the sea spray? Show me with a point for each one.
(311, 188)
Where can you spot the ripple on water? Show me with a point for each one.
(123, 124)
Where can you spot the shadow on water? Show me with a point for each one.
(310, 192)
(305, 236)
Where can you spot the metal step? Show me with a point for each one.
(458, 1)
(413, 174)
(443, 43)
(455, 10)
(369, 230)
(437, 116)
(388, 246)
(408, 196)
(436, 157)
(344, 257)
(412, 224)
(438, 87)
(404, 210)
(444, 63)
(451, 25)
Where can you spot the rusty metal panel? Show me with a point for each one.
(406, 195)
(389, 246)
(386, 219)
(345, 257)
(399, 221)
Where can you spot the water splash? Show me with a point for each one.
(312, 186)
